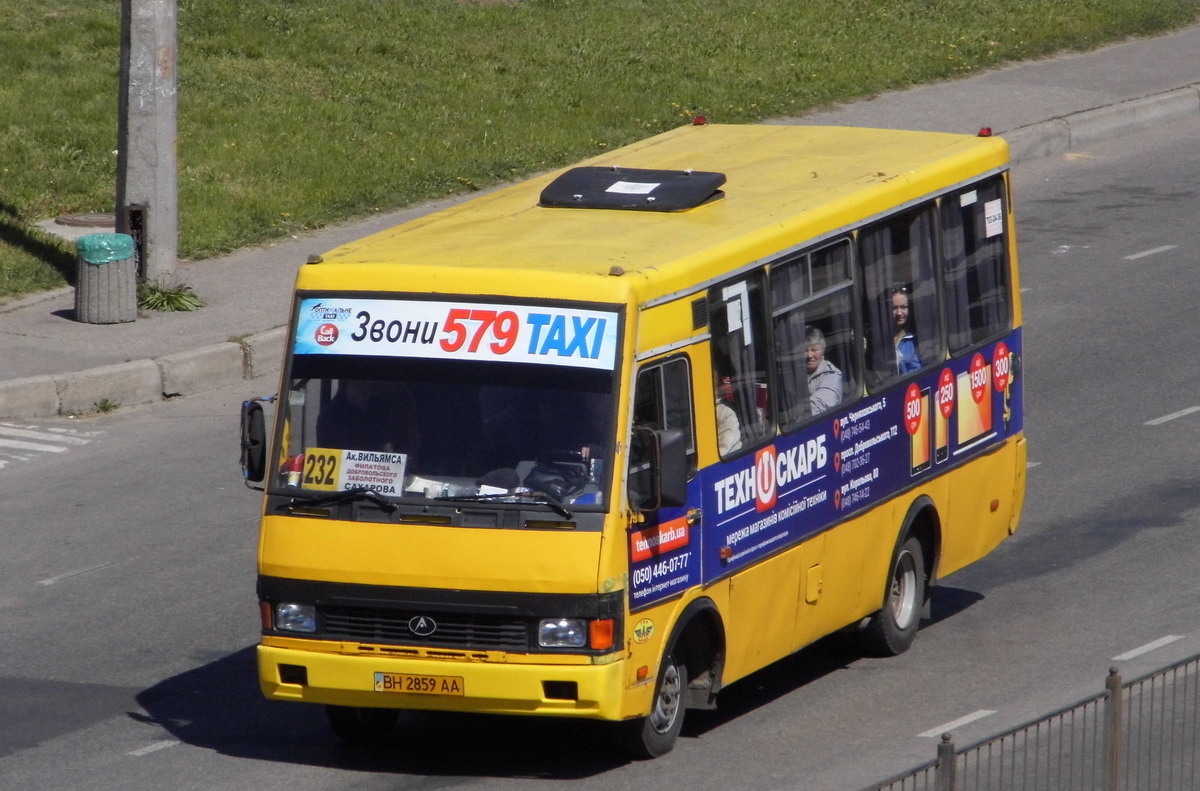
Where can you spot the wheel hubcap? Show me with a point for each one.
(904, 590)
(666, 706)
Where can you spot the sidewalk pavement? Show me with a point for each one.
(51, 364)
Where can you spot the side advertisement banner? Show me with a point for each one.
(765, 501)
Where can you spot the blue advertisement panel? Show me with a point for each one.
(664, 556)
(855, 458)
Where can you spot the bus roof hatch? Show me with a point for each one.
(632, 189)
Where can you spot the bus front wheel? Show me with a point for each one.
(891, 630)
(656, 734)
(355, 725)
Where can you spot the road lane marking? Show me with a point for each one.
(21, 442)
(1029, 465)
(153, 748)
(949, 726)
(1154, 251)
(24, 432)
(1158, 421)
(1148, 647)
(70, 574)
(23, 445)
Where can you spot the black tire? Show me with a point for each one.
(891, 630)
(656, 734)
(360, 726)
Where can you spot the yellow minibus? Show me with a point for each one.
(603, 442)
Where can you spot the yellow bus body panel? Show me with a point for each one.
(984, 499)
(424, 556)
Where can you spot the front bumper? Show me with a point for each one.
(502, 684)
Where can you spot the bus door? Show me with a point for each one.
(664, 548)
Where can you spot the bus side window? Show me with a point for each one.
(663, 399)
(901, 310)
(741, 348)
(975, 264)
(817, 362)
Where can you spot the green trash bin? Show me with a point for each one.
(106, 286)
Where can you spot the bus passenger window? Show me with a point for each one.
(901, 306)
(816, 362)
(975, 264)
(740, 348)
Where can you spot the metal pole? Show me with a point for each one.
(1113, 704)
(943, 773)
(147, 182)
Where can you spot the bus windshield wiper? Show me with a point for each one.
(539, 497)
(333, 498)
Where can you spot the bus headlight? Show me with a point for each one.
(562, 633)
(295, 617)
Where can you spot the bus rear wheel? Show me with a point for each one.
(354, 725)
(656, 734)
(891, 630)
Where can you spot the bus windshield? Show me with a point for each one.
(407, 426)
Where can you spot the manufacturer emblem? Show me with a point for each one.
(422, 626)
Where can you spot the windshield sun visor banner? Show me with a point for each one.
(544, 335)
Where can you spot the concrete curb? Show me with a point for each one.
(143, 381)
(1060, 135)
(136, 382)
(223, 364)
(206, 368)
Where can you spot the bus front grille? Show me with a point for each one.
(451, 630)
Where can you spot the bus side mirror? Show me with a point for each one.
(658, 469)
(254, 442)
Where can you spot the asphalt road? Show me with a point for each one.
(128, 616)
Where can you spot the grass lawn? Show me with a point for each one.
(296, 114)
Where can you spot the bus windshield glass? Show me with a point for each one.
(432, 414)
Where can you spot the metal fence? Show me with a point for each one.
(1138, 736)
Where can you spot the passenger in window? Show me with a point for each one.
(824, 378)
(907, 360)
(729, 428)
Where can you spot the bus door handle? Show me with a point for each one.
(693, 516)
